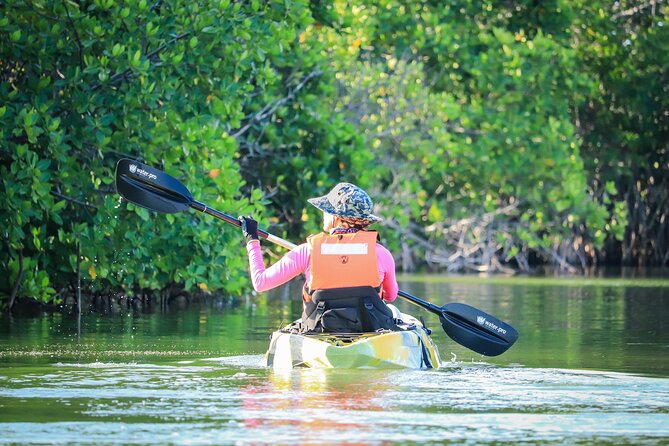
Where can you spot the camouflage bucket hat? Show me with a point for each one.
(348, 202)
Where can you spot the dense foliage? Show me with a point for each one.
(483, 115)
(625, 121)
(169, 83)
(493, 135)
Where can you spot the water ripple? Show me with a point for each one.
(234, 400)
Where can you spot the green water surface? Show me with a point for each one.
(591, 366)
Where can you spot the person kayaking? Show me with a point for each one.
(350, 276)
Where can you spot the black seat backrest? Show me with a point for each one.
(347, 310)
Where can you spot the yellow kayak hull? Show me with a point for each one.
(411, 348)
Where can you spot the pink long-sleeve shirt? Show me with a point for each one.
(297, 261)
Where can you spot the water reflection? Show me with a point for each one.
(585, 327)
(315, 402)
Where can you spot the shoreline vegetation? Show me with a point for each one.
(120, 302)
(498, 138)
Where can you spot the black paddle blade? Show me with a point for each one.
(151, 188)
(476, 330)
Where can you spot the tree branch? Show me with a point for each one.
(128, 73)
(634, 10)
(76, 36)
(17, 284)
(73, 200)
(269, 109)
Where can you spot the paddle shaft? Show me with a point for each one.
(420, 302)
(198, 206)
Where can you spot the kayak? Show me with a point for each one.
(410, 347)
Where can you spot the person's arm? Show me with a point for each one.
(289, 266)
(389, 285)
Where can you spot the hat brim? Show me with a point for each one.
(324, 205)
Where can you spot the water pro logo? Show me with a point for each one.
(486, 323)
(139, 171)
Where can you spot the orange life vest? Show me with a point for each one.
(342, 261)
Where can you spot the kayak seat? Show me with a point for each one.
(347, 310)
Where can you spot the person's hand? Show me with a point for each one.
(249, 227)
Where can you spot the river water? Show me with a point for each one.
(591, 366)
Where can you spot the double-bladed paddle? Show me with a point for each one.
(154, 189)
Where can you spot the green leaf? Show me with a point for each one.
(611, 188)
(43, 164)
(142, 212)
